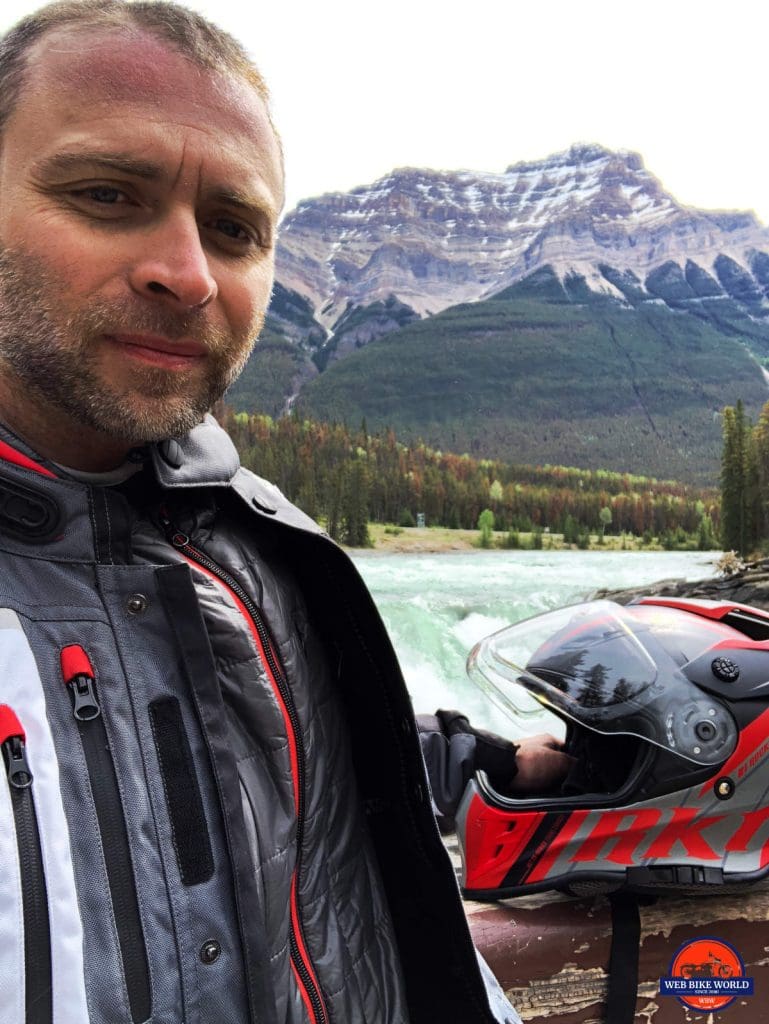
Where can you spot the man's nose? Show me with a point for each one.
(173, 266)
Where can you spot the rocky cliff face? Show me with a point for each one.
(433, 239)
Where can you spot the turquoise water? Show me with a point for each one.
(437, 606)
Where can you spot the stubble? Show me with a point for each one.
(56, 356)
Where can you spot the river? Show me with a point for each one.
(437, 606)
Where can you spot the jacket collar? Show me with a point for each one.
(204, 457)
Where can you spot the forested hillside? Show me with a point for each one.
(543, 373)
(348, 477)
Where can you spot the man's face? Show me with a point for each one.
(139, 197)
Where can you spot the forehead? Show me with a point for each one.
(97, 80)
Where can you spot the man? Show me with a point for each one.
(216, 809)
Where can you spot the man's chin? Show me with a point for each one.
(136, 425)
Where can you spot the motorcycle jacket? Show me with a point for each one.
(213, 806)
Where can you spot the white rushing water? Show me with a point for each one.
(437, 606)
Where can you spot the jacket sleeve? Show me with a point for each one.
(453, 750)
(450, 762)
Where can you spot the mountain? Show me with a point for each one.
(434, 239)
(588, 227)
(538, 375)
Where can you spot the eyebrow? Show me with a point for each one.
(113, 161)
(149, 171)
(234, 197)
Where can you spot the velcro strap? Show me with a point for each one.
(623, 958)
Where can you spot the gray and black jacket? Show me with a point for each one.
(214, 809)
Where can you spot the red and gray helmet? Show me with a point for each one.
(665, 703)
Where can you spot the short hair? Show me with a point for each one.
(189, 33)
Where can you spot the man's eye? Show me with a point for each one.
(233, 230)
(105, 195)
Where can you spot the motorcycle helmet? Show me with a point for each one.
(665, 707)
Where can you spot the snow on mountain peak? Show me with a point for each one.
(435, 238)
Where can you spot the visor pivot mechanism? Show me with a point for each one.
(705, 731)
(702, 731)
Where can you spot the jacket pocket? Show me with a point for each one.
(80, 680)
(38, 1000)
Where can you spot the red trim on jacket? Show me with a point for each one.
(10, 454)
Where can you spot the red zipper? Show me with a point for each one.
(38, 975)
(80, 679)
(301, 964)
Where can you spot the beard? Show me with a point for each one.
(56, 356)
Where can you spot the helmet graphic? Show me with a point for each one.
(665, 705)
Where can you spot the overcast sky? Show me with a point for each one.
(361, 88)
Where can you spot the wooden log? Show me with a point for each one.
(550, 952)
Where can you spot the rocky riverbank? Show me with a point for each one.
(439, 539)
(749, 585)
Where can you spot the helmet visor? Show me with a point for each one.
(612, 669)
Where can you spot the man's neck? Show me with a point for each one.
(54, 434)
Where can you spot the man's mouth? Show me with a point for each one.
(157, 350)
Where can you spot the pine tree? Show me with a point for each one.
(752, 496)
(355, 507)
(761, 461)
(334, 503)
(733, 480)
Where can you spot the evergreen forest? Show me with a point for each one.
(745, 481)
(346, 478)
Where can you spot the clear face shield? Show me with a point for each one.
(612, 669)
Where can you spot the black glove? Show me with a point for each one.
(493, 754)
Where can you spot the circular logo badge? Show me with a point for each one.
(713, 973)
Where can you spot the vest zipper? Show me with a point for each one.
(309, 986)
(80, 680)
(34, 895)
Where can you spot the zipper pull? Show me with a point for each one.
(13, 740)
(173, 536)
(79, 679)
(19, 772)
